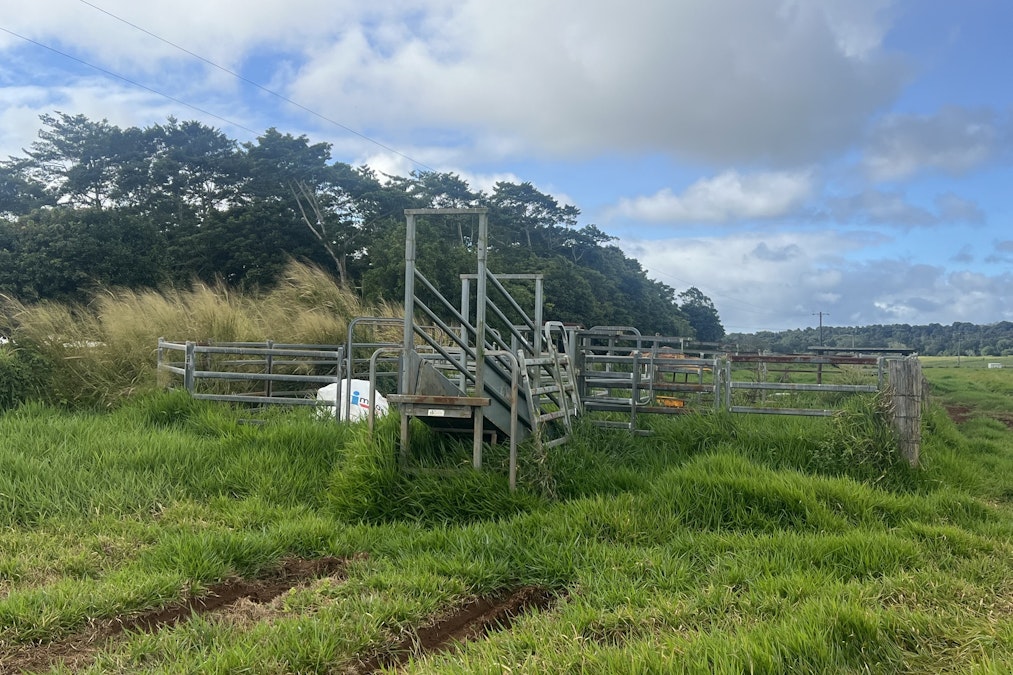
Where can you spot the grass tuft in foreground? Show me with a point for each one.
(371, 486)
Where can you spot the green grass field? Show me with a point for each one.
(718, 544)
(970, 383)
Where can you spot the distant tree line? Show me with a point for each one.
(91, 205)
(966, 339)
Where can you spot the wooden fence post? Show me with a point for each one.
(906, 388)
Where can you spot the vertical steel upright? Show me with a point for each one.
(466, 313)
(481, 290)
(408, 343)
(480, 322)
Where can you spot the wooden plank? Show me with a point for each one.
(423, 399)
(452, 411)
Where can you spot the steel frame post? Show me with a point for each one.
(480, 328)
(409, 324)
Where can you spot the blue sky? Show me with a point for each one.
(786, 157)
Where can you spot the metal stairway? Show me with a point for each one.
(542, 403)
(500, 381)
(553, 402)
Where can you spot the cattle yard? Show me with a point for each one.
(490, 367)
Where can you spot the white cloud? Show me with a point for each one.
(97, 99)
(955, 209)
(716, 80)
(964, 256)
(720, 80)
(19, 125)
(726, 197)
(880, 208)
(858, 26)
(930, 295)
(891, 208)
(757, 281)
(226, 32)
(775, 281)
(954, 140)
(1002, 253)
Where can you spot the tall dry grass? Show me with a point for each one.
(106, 350)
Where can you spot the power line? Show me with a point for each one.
(129, 81)
(259, 86)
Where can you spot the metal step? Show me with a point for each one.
(553, 400)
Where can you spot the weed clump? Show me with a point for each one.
(170, 409)
(862, 443)
(24, 376)
(370, 486)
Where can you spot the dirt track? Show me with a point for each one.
(470, 621)
(78, 650)
(445, 632)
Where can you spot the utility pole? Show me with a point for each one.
(821, 315)
(819, 368)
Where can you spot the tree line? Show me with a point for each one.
(965, 339)
(91, 205)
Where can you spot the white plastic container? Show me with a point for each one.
(355, 397)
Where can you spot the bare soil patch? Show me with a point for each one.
(471, 621)
(961, 413)
(78, 650)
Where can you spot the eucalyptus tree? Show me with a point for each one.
(332, 202)
(195, 175)
(195, 170)
(447, 190)
(529, 216)
(83, 163)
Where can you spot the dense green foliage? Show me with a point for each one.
(965, 339)
(719, 544)
(90, 205)
(24, 376)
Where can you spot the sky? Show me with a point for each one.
(787, 157)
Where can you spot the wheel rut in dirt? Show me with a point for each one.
(471, 621)
(962, 413)
(78, 650)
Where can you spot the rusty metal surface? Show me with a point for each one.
(805, 359)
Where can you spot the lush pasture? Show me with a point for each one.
(971, 383)
(727, 544)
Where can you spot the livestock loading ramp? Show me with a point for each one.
(495, 382)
